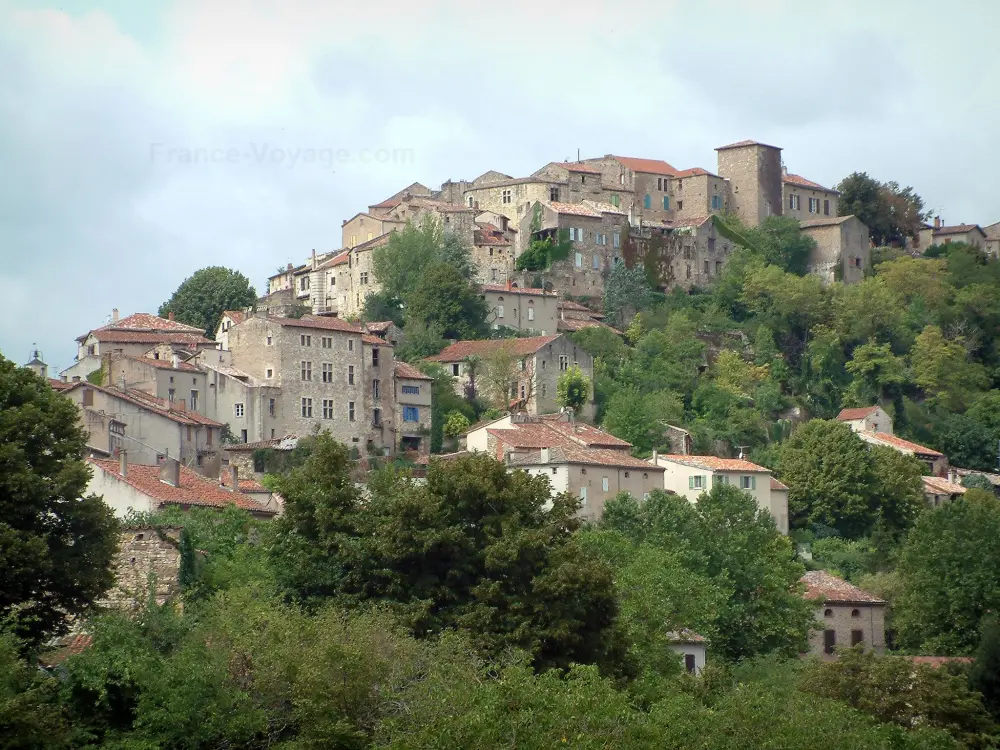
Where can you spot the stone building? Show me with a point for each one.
(993, 240)
(331, 375)
(754, 172)
(493, 249)
(534, 366)
(413, 407)
(524, 309)
(843, 249)
(873, 425)
(685, 254)
(575, 317)
(848, 616)
(364, 227)
(147, 565)
(171, 380)
(970, 234)
(806, 200)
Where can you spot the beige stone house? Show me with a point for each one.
(521, 309)
(843, 248)
(687, 254)
(144, 489)
(754, 171)
(993, 239)
(149, 428)
(493, 249)
(866, 419)
(364, 227)
(331, 375)
(970, 234)
(847, 616)
(413, 409)
(534, 364)
(691, 476)
(939, 490)
(873, 425)
(229, 319)
(806, 200)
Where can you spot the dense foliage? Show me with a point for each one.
(201, 299)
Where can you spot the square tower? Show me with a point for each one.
(754, 173)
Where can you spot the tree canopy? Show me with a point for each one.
(201, 298)
(891, 213)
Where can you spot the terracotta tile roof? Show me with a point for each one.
(828, 221)
(685, 636)
(554, 430)
(647, 166)
(714, 463)
(503, 288)
(409, 372)
(897, 442)
(850, 415)
(695, 221)
(147, 322)
(584, 434)
(151, 403)
(694, 172)
(163, 364)
(194, 489)
(462, 349)
(588, 456)
(526, 436)
(794, 179)
(337, 260)
(246, 485)
(574, 209)
(941, 486)
(776, 485)
(487, 234)
(59, 385)
(65, 647)
(237, 316)
(380, 326)
(572, 325)
(828, 588)
(959, 229)
(275, 443)
(315, 321)
(741, 144)
(116, 336)
(575, 166)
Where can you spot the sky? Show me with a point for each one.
(141, 141)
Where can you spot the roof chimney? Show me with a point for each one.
(123, 463)
(314, 259)
(234, 477)
(175, 360)
(114, 315)
(937, 222)
(289, 267)
(544, 455)
(170, 315)
(170, 472)
(653, 460)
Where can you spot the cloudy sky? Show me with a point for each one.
(307, 111)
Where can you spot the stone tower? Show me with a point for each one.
(37, 366)
(754, 173)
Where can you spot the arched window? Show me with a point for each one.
(855, 613)
(828, 613)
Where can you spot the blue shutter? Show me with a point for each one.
(647, 202)
(666, 202)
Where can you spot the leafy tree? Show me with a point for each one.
(780, 242)
(942, 368)
(734, 374)
(641, 418)
(456, 424)
(601, 343)
(381, 306)
(891, 213)
(399, 264)
(829, 473)
(201, 298)
(541, 254)
(499, 373)
(897, 492)
(30, 714)
(977, 482)
(985, 673)
(877, 373)
(56, 546)
(966, 442)
(421, 340)
(948, 567)
(573, 388)
(626, 292)
(910, 279)
(445, 300)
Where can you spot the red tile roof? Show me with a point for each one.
(694, 172)
(147, 322)
(574, 209)
(65, 647)
(194, 489)
(587, 456)
(116, 336)
(647, 166)
(164, 364)
(409, 372)
(794, 179)
(959, 229)
(905, 445)
(143, 400)
(487, 234)
(339, 259)
(315, 321)
(59, 385)
(828, 588)
(850, 415)
(941, 486)
(741, 144)
(520, 347)
(776, 485)
(246, 485)
(552, 431)
(583, 433)
(714, 463)
(575, 166)
(237, 316)
(516, 290)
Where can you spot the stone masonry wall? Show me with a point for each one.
(148, 561)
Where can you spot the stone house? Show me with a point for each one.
(129, 487)
(866, 419)
(970, 234)
(691, 476)
(691, 647)
(331, 375)
(244, 457)
(283, 280)
(575, 317)
(510, 197)
(148, 562)
(848, 616)
(521, 309)
(135, 335)
(229, 319)
(939, 490)
(843, 248)
(595, 231)
(364, 227)
(172, 380)
(806, 200)
(993, 240)
(754, 171)
(416, 190)
(535, 366)
(413, 408)
(874, 426)
(493, 250)
(249, 405)
(149, 428)
(686, 254)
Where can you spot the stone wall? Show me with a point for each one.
(148, 562)
(754, 174)
(682, 256)
(842, 620)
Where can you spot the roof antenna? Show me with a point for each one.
(578, 155)
(742, 447)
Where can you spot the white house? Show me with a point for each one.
(691, 648)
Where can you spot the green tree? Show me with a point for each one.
(877, 373)
(455, 424)
(891, 213)
(30, 715)
(641, 418)
(897, 492)
(56, 545)
(626, 292)
(941, 367)
(573, 388)
(985, 673)
(446, 301)
(201, 298)
(381, 306)
(977, 482)
(948, 567)
(966, 442)
(444, 401)
(780, 242)
(400, 263)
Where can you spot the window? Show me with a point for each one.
(616, 239)
(456, 369)
(327, 408)
(583, 496)
(354, 240)
(647, 201)
(194, 400)
(375, 389)
(680, 185)
(238, 410)
(857, 262)
(269, 340)
(304, 283)
(600, 239)
(531, 311)
(793, 202)
(826, 207)
(375, 357)
(680, 205)
(412, 390)
(575, 234)
(696, 482)
(327, 372)
(369, 235)
(828, 613)
(545, 391)
(716, 201)
(604, 484)
(855, 613)
(469, 201)
(350, 345)
(499, 312)
(493, 271)
(579, 260)
(411, 414)
(615, 200)
(270, 407)
(505, 196)
(350, 410)
(269, 373)
(553, 194)
(170, 396)
(748, 482)
(350, 374)
(718, 267)
(376, 419)
(306, 370)
(563, 362)
(814, 205)
(689, 663)
(707, 271)
(597, 262)
(666, 202)
(857, 636)
(659, 183)
(829, 641)
(305, 339)
(307, 407)
(555, 470)
(363, 277)
(689, 270)
(326, 342)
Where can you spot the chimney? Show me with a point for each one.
(654, 459)
(937, 222)
(170, 472)
(289, 267)
(175, 361)
(234, 477)
(314, 259)
(123, 463)
(114, 315)
(170, 315)
(544, 455)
